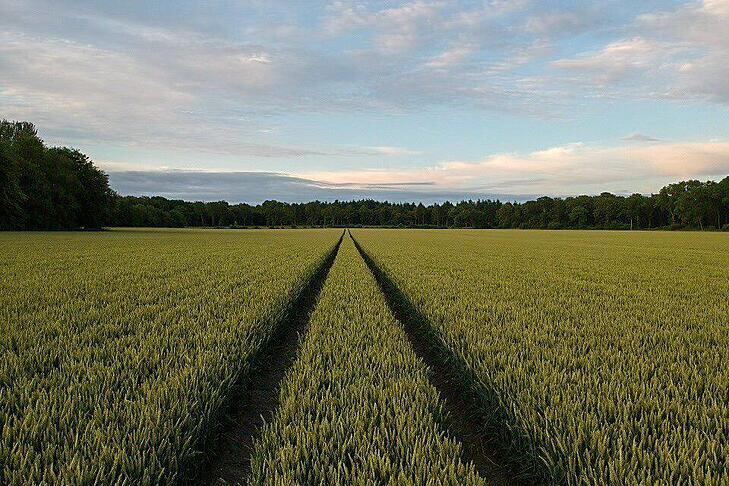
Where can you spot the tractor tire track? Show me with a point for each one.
(463, 421)
(227, 460)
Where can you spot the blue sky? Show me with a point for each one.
(425, 99)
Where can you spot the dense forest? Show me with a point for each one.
(60, 188)
(684, 205)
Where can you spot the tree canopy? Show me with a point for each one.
(48, 187)
(688, 204)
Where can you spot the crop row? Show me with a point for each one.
(605, 354)
(118, 349)
(357, 406)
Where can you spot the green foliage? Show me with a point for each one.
(605, 354)
(357, 407)
(697, 205)
(48, 188)
(117, 349)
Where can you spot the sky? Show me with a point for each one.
(400, 100)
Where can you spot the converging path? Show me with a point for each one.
(352, 394)
(357, 407)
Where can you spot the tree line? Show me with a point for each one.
(684, 205)
(60, 188)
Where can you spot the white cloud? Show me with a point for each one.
(620, 60)
(395, 56)
(680, 54)
(201, 94)
(393, 151)
(561, 23)
(567, 169)
(640, 137)
(396, 28)
(55, 81)
(450, 57)
(682, 160)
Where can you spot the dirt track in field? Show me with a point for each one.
(462, 422)
(228, 459)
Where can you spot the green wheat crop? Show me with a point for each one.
(357, 407)
(606, 354)
(117, 349)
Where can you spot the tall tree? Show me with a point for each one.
(47, 188)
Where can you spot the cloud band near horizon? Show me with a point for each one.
(583, 169)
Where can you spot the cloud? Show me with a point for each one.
(567, 169)
(682, 160)
(702, 27)
(118, 75)
(201, 78)
(393, 151)
(256, 187)
(680, 54)
(159, 89)
(396, 29)
(561, 22)
(450, 57)
(81, 84)
(79, 93)
(618, 61)
(639, 137)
